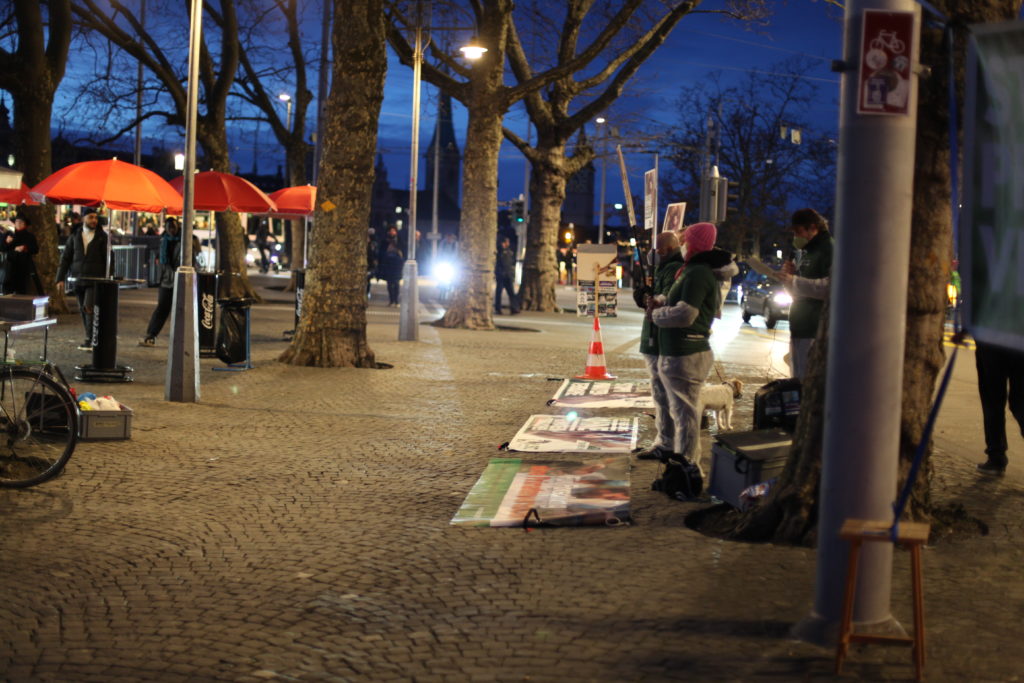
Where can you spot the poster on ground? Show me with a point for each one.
(992, 226)
(587, 492)
(588, 393)
(559, 434)
(596, 280)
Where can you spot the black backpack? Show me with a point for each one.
(680, 479)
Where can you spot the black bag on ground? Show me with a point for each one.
(777, 404)
(680, 480)
(231, 335)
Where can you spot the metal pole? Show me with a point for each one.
(138, 116)
(866, 339)
(408, 325)
(437, 186)
(182, 357)
(604, 176)
(321, 89)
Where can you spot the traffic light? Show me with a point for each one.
(517, 211)
(727, 197)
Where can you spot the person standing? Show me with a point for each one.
(85, 255)
(170, 259)
(999, 369)
(808, 284)
(20, 247)
(504, 277)
(683, 317)
(391, 262)
(671, 257)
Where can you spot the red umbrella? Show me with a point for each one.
(217, 191)
(117, 184)
(17, 196)
(294, 201)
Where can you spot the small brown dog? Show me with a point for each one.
(719, 399)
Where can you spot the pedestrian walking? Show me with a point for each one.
(1000, 377)
(85, 255)
(807, 283)
(371, 259)
(170, 259)
(683, 317)
(390, 267)
(19, 246)
(504, 277)
(671, 257)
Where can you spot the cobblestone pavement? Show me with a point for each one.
(294, 525)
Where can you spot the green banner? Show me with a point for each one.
(992, 228)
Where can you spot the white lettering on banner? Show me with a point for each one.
(1002, 174)
(208, 311)
(1004, 79)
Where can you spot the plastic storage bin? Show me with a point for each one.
(742, 459)
(110, 425)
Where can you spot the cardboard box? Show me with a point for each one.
(111, 425)
(742, 459)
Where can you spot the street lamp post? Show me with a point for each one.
(408, 323)
(603, 135)
(182, 382)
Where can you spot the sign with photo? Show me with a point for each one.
(651, 199)
(512, 492)
(674, 217)
(559, 434)
(588, 393)
(596, 281)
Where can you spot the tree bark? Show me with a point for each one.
(32, 75)
(478, 227)
(547, 194)
(332, 331)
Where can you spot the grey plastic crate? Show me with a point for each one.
(742, 459)
(109, 425)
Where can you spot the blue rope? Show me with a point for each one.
(922, 446)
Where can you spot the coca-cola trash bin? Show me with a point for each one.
(206, 294)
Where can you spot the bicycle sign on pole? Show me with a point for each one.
(885, 65)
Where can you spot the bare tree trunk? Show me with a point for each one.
(547, 193)
(332, 331)
(32, 75)
(478, 227)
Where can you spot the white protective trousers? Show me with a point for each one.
(665, 440)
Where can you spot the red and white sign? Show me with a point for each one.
(886, 49)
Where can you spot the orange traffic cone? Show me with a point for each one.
(595, 357)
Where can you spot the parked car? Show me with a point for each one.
(765, 297)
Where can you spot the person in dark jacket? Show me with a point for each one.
(808, 284)
(390, 266)
(170, 259)
(20, 247)
(667, 248)
(85, 255)
(504, 276)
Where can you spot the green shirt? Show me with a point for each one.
(698, 288)
(805, 313)
(664, 276)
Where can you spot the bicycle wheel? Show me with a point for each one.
(38, 427)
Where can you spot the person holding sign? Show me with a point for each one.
(683, 317)
(667, 247)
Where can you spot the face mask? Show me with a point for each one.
(685, 251)
(799, 242)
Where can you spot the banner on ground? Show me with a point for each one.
(559, 434)
(587, 393)
(562, 493)
(596, 280)
(992, 225)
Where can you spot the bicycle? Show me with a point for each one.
(38, 424)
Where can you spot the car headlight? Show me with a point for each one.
(782, 298)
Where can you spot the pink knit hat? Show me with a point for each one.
(699, 237)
